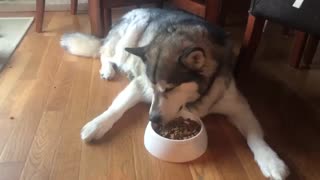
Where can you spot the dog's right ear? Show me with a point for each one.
(138, 51)
(193, 58)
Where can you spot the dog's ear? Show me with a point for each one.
(138, 51)
(193, 58)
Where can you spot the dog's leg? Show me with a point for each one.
(107, 52)
(106, 71)
(235, 106)
(127, 98)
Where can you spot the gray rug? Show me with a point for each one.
(12, 31)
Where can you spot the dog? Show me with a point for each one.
(176, 62)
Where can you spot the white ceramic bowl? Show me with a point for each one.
(176, 150)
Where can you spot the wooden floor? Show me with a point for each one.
(47, 95)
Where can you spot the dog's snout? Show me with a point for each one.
(155, 118)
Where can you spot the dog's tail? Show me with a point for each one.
(81, 44)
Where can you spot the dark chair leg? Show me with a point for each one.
(107, 19)
(214, 12)
(310, 50)
(96, 17)
(298, 48)
(286, 30)
(250, 43)
(40, 7)
(160, 4)
(74, 7)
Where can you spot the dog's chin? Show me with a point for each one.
(156, 125)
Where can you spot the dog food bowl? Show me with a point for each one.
(176, 150)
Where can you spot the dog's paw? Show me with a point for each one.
(94, 130)
(272, 166)
(64, 41)
(107, 72)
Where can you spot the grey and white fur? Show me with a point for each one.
(176, 62)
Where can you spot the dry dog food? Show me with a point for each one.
(178, 129)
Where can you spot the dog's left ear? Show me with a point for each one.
(193, 58)
(138, 51)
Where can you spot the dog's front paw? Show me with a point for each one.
(94, 130)
(272, 166)
(107, 72)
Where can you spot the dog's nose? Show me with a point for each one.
(155, 118)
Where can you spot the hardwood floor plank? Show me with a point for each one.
(67, 160)
(221, 152)
(14, 88)
(93, 163)
(10, 110)
(19, 142)
(12, 72)
(94, 157)
(48, 135)
(10, 170)
(244, 154)
(204, 168)
(42, 68)
(39, 163)
(23, 57)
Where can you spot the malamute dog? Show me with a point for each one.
(177, 62)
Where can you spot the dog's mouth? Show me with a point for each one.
(156, 125)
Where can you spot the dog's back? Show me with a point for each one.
(139, 28)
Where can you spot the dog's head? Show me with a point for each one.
(181, 64)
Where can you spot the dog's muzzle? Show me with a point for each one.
(155, 118)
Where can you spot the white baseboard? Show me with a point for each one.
(31, 6)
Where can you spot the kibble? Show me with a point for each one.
(178, 129)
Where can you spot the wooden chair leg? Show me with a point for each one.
(250, 43)
(40, 8)
(298, 48)
(214, 12)
(107, 19)
(96, 17)
(287, 31)
(74, 7)
(160, 4)
(310, 50)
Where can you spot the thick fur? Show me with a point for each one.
(86, 45)
(176, 62)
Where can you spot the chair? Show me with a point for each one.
(201, 8)
(215, 11)
(119, 3)
(40, 8)
(100, 12)
(304, 49)
(303, 16)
